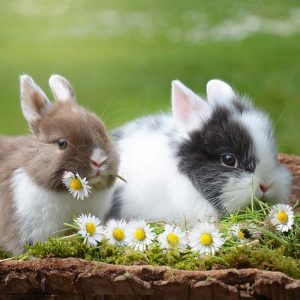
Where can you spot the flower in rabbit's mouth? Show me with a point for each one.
(205, 238)
(90, 229)
(140, 235)
(77, 186)
(282, 217)
(116, 232)
(172, 237)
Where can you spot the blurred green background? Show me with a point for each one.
(121, 55)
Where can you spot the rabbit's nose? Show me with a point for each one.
(98, 157)
(96, 163)
(264, 187)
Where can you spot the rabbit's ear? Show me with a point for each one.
(34, 102)
(61, 88)
(219, 91)
(188, 108)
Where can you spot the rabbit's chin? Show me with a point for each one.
(101, 181)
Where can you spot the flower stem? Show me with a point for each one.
(274, 236)
(71, 226)
(68, 236)
(121, 178)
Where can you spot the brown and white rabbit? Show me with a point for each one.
(65, 137)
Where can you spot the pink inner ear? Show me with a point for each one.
(180, 104)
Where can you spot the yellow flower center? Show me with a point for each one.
(118, 234)
(282, 217)
(90, 228)
(241, 235)
(173, 239)
(76, 184)
(140, 234)
(206, 239)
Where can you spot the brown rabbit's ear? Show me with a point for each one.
(61, 88)
(34, 102)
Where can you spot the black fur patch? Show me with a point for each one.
(115, 211)
(200, 157)
(239, 105)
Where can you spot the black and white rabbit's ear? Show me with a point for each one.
(61, 88)
(219, 92)
(189, 110)
(34, 102)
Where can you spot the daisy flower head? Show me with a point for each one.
(90, 229)
(173, 237)
(116, 232)
(205, 238)
(282, 217)
(140, 235)
(77, 186)
(242, 234)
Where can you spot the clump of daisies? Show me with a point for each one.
(78, 187)
(251, 236)
(261, 227)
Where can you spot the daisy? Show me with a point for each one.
(205, 238)
(89, 228)
(282, 217)
(77, 186)
(140, 235)
(242, 234)
(173, 237)
(116, 232)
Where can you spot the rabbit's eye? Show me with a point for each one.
(62, 144)
(229, 160)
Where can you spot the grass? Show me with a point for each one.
(122, 55)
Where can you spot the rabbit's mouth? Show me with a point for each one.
(95, 178)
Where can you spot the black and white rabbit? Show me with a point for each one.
(200, 161)
(65, 137)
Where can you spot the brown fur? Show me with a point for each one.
(45, 163)
(9, 144)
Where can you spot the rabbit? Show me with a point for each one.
(199, 162)
(64, 137)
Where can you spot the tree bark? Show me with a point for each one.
(79, 279)
(292, 162)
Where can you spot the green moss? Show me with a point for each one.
(260, 257)
(4, 254)
(56, 247)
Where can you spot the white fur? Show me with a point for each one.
(219, 92)
(267, 171)
(61, 88)
(155, 189)
(35, 205)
